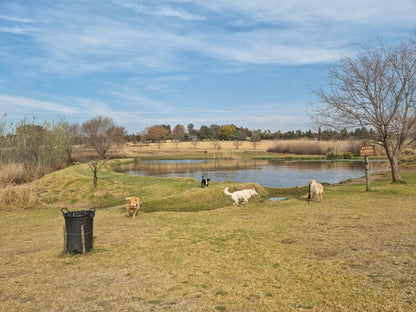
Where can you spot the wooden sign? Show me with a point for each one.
(367, 150)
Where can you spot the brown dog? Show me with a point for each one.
(133, 206)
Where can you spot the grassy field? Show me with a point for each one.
(191, 250)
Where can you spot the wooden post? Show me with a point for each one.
(83, 239)
(367, 174)
(65, 240)
(367, 150)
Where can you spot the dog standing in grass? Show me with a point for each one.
(133, 205)
(244, 194)
(316, 190)
(205, 182)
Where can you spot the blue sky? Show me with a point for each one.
(245, 62)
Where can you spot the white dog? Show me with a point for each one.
(244, 194)
(316, 190)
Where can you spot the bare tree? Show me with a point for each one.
(237, 144)
(216, 144)
(195, 141)
(255, 139)
(178, 134)
(376, 89)
(102, 134)
(240, 137)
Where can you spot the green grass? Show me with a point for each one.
(72, 188)
(355, 251)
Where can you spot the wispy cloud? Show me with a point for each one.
(131, 99)
(15, 19)
(12, 104)
(17, 30)
(159, 10)
(179, 13)
(246, 32)
(326, 12)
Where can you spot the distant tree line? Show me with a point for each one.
(231, 132)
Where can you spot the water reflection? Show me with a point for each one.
(266, 173)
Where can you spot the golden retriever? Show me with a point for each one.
(133, 205)
(316, 190)
(244, 195)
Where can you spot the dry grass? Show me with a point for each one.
(226, 148)
(13, 173)
(355, 251)
(308, 147)
(18, 197)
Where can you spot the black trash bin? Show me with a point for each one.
(74, 220)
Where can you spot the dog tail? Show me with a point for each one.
(226, 192)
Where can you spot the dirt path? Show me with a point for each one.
(115, 207)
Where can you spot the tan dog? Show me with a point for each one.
(316, 190)
(133, 206)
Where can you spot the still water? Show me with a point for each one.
(263, 172)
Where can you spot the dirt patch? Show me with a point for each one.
(375, 176)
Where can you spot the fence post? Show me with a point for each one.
(83, 239)
(367, 174)
(65, 240)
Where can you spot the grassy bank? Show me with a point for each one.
(355, 251)
(72, 188)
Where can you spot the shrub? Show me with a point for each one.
(345, 155)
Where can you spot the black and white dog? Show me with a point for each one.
(205, 182)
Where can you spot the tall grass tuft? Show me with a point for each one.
(18, 197)
(13, 173)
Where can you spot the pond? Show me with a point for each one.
(264, 172)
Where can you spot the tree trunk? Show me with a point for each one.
(394, 164)
(95, 179)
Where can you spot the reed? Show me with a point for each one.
(13, 173)
(307, 147)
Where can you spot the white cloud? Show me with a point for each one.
(15, 19)
(306, 12)
(179, 13)
(17, 30)
(161, 10)
(132, 99)
(17, 104)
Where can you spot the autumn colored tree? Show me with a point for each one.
(227, 132)
(156, 133)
